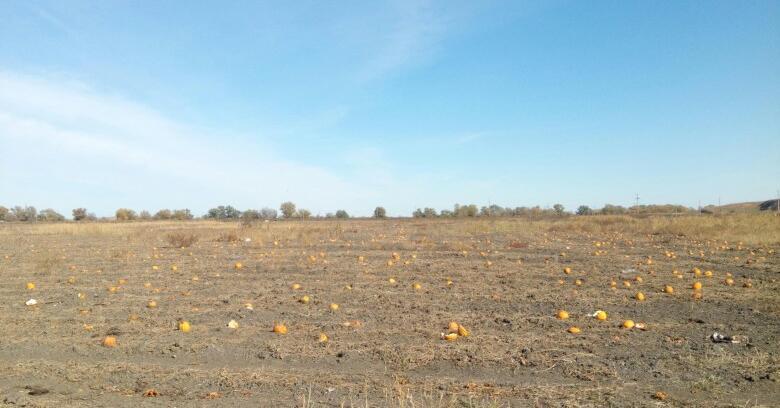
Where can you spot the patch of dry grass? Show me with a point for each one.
(753, 229)
(181, 239)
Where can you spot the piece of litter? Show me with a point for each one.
(31, 302)
(722, 338)
(247, 239)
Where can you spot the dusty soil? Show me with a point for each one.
(385, 346)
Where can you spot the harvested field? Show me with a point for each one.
(398, 284)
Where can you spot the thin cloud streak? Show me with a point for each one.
(80, 129)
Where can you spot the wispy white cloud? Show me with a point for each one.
(410, 34)
(103, 140)
(50, 18)
(469, 137)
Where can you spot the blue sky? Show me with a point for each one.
(403, 104)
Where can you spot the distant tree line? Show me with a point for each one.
(471, 210)
(288, 210)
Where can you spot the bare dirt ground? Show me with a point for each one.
(503, 280)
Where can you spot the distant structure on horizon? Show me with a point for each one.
(770, 205)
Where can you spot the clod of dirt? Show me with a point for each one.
(35, 390)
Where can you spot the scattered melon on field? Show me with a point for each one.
(279, 328)
(562, 315)
(71, 280)
(567, 270)
(391, 281)
(30, 286)
(151, 393)
(600, 315)
(668, 289)
(628, 324)
(295, 286)
(174, 268)
(696, 286)
(334, 307)
(151, 304)
(416, 286)
(323, 338)
(184, 326)
(748, 284)
(729, 281)
(109, 341)
(574, 330)
(232, 324)
(660, 396)
(449, 336)
(238, 265)
(639, 296)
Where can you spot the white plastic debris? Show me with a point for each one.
(723, 338)
(247, 239)
(596, 313)
(31, 302)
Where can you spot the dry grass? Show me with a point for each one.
(181, 239)
(753, 229)
(749, 228)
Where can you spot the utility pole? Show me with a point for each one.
(637, 200)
